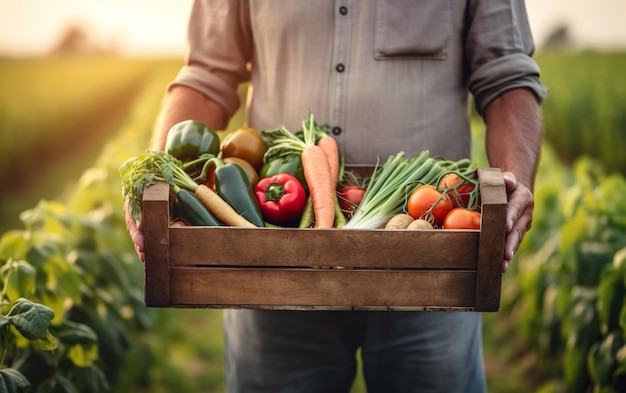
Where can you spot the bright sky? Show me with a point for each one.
(151, 27)
(157, 27)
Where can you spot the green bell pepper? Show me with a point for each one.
(189, 139)
(291, 164)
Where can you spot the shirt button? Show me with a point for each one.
(336, 130)
(340, 67)
(343, 10)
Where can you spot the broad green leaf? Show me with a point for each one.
(12, 381)
(57, 303)
(592, 258)
(39, 253)
(613, 189)
(31, 319)
(47, 344)
(610, 296)
(621, 358)
(573, 231)
(19, 279)
(4, 321)
(574, 368)
(619, 260)
(13, 245)
(65, 385)
(602, 358)
(584, 316)
(44, 216)
(62, 277)
(622, 317)
(89, 263)
(90, 379)
(70, 333)
(572, 200)
(83, 355)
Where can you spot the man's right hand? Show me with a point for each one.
(136, 233)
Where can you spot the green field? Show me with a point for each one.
(67, 124)
(55, 116)
(585, 112)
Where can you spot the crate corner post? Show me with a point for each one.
(155, 221)
(492, 237)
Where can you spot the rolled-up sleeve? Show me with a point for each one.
(499, 51)
(219, 50)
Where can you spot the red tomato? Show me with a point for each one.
(350, 196)
(460, 195)
(429, 203)
(461, 218)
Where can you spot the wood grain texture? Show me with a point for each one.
(155, 221)
(492, 235)
(252, 287)
(326, 269)
(425, 249)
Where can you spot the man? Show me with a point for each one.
(388, 76)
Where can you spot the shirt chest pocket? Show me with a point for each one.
(412, 29)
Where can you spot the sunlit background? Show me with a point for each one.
(135, 27)
(81, 82)
(156, 28)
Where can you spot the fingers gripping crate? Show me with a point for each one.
(325, 269)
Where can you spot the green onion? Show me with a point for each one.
(390, 185)
(386, 192)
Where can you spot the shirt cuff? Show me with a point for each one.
(211, 85)
(502, 74)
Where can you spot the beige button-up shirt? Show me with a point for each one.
(387, 75)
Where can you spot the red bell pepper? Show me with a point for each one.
(281, 198)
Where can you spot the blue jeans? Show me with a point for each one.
(315, 351)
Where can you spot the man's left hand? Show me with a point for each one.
(519, 214)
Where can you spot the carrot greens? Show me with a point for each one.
(145, 170)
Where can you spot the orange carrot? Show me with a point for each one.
(329, 145)
(321, 186)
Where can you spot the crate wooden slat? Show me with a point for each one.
(330, 289)
(329, 269)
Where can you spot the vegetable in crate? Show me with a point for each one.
(291, 163)
(244, 143)
(350, 193)
(320, 161)
(191, 211)
(389, 185)
(386, 192)
(208, 178)
(462, 218)
(189, 139)
(232, 184)
(430, 204)
(282, 199)
(152, 166)
(461, 188)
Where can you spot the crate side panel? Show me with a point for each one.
(321, 287)
(319, 247)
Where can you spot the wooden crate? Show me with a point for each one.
(325, 269)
